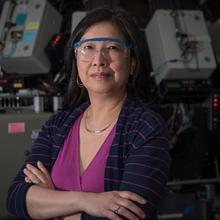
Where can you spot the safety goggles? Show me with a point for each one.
(113, 49)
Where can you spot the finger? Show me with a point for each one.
(129, 207)
(126, 213)
(35, 171)
(41, 166)
(111, 215)
(30, 176)
(27, 180)
(132, 196)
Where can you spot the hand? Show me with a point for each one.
(38, 175)
(113, 205)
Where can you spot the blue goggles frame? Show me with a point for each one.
(125, 44)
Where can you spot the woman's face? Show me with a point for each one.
(104, 65)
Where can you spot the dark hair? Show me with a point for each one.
(76, 95)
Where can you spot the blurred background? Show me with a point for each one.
(181, 39)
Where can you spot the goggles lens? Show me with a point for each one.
(112, 49)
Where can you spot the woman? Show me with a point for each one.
(108, 156)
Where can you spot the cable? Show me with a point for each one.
(11, 52)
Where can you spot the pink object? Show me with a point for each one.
(66, 170)
(16, 127)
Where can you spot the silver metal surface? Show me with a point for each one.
(17, 132)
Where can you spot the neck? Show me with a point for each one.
(103, 112)
(102, 106)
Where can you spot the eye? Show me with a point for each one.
(87, 47)
(114, 48)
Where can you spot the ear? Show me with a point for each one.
(133, 66)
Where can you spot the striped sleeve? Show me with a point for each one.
(147, 166)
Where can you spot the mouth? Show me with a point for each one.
(100, 75)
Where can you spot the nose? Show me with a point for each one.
(99, 59)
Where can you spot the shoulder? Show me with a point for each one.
(141, 126)
(66, 117)
(140, 115)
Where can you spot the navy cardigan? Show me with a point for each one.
(138, 160)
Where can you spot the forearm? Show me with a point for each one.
(73, 217)
(45, 203)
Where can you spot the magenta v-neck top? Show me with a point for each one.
(66, 170)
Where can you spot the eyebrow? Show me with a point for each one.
(116, 40)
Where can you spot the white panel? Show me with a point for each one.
(37, 21)
(165, 52)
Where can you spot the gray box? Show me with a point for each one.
(18, 131)
(36, 21)
(77, 16)
(214, 30)
(165, 49)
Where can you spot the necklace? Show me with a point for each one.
(100, 130)
(96, 131)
